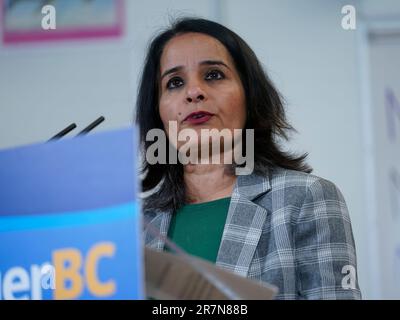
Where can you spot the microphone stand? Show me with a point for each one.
(72, 126)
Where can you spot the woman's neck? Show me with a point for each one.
(207, 182)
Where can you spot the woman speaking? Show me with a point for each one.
(273, 222)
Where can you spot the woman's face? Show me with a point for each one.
(200, 87)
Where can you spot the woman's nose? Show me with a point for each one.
(195, 94)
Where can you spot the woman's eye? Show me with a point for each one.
(174, 83)
(214, 75)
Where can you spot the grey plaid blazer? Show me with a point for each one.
(288, 228)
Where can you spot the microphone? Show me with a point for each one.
(72, 126)
(63, 132)
(91, 126)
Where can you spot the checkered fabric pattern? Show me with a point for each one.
(286, 228)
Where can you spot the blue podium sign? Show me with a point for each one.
(70, 223)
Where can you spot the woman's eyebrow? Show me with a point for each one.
(214, 62)
(172, 70)
(205, 62)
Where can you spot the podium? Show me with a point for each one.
(71, 228)
(187, 277)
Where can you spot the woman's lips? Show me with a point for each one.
(198, 117)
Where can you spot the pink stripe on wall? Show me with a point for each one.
(66, 34)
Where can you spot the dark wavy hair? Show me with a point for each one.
(264, 113)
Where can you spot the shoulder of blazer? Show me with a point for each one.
(275, 178)
(281, 176)
(291, 187)
(255, 185)
(255, 188)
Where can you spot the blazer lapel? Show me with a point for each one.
(156, 229)
(243, 225)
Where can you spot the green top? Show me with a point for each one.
(197, 228)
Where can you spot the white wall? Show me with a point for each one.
(385, 75)
(380, 39)
(382, 9)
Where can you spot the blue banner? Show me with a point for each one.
(70, 223)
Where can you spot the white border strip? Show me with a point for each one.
(364, 30)
(368, 149)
